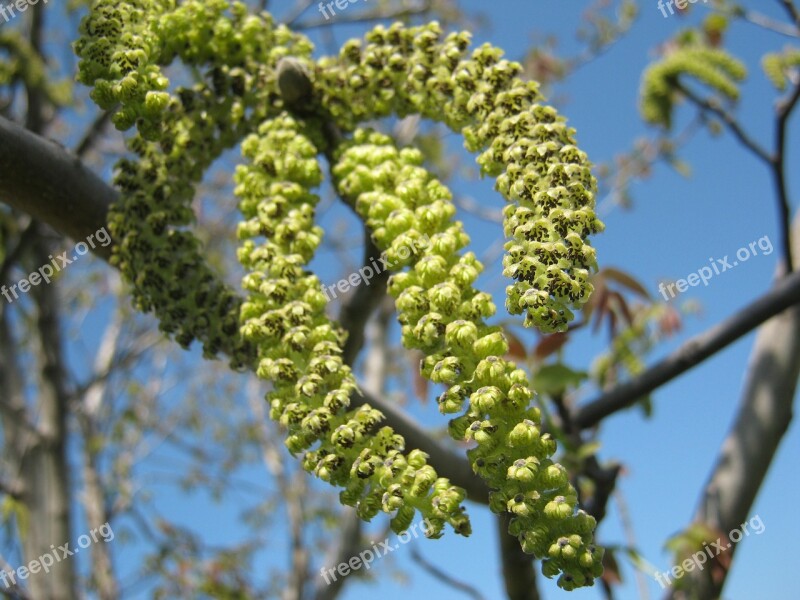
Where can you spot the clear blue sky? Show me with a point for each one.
(677, 224)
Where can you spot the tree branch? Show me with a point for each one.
(447, 464)
(93, 133)
(792, 11)
(365, 17)
(785, 108)
(766, 22)
(42, 179)
(362, 303)
(784, 294)
(775, 161)
(444, 577)
(349, 546)
(713, 107)
(519, 569)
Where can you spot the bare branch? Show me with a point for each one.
(784, 294)
(444, 577)
(349, 546)
(784, 110)
(42, 179)
(713, 107)
(93, 133)
(13, 591)
(357, 311)
(519, 569)
(792, 11)
(757, 18)
(775, 161)
(364, 17)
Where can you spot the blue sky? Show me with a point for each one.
(676, 225)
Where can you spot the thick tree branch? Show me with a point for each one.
(519, 569)
(784, 294)
(42, 179)
(44, 468)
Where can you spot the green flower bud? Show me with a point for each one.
(558, 508)
(524, 434)
(524, 470)
(494, 344)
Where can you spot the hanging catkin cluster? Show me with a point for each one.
(443, 315)
(712, 66)
(525, 144)
(253, 75)
(180, 135)
(299, 349)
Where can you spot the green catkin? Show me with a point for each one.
(525, 144)
(180, 135)
(775, 66)
(442, 314)
(281, 329)
(299, 349)
(711, 66)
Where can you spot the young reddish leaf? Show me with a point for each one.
(626, 281)
(600, 309)
(623, 306)
(516, 349)
(550, 344)
(670, 322)
(421, 385)
(611, 572)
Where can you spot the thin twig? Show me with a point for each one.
(446, 579)
(774, 161)
(728, 119)
(300, 7)
(93, 133)
(756, 18)
(792, 11)
(630, 538)
(786, 293)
